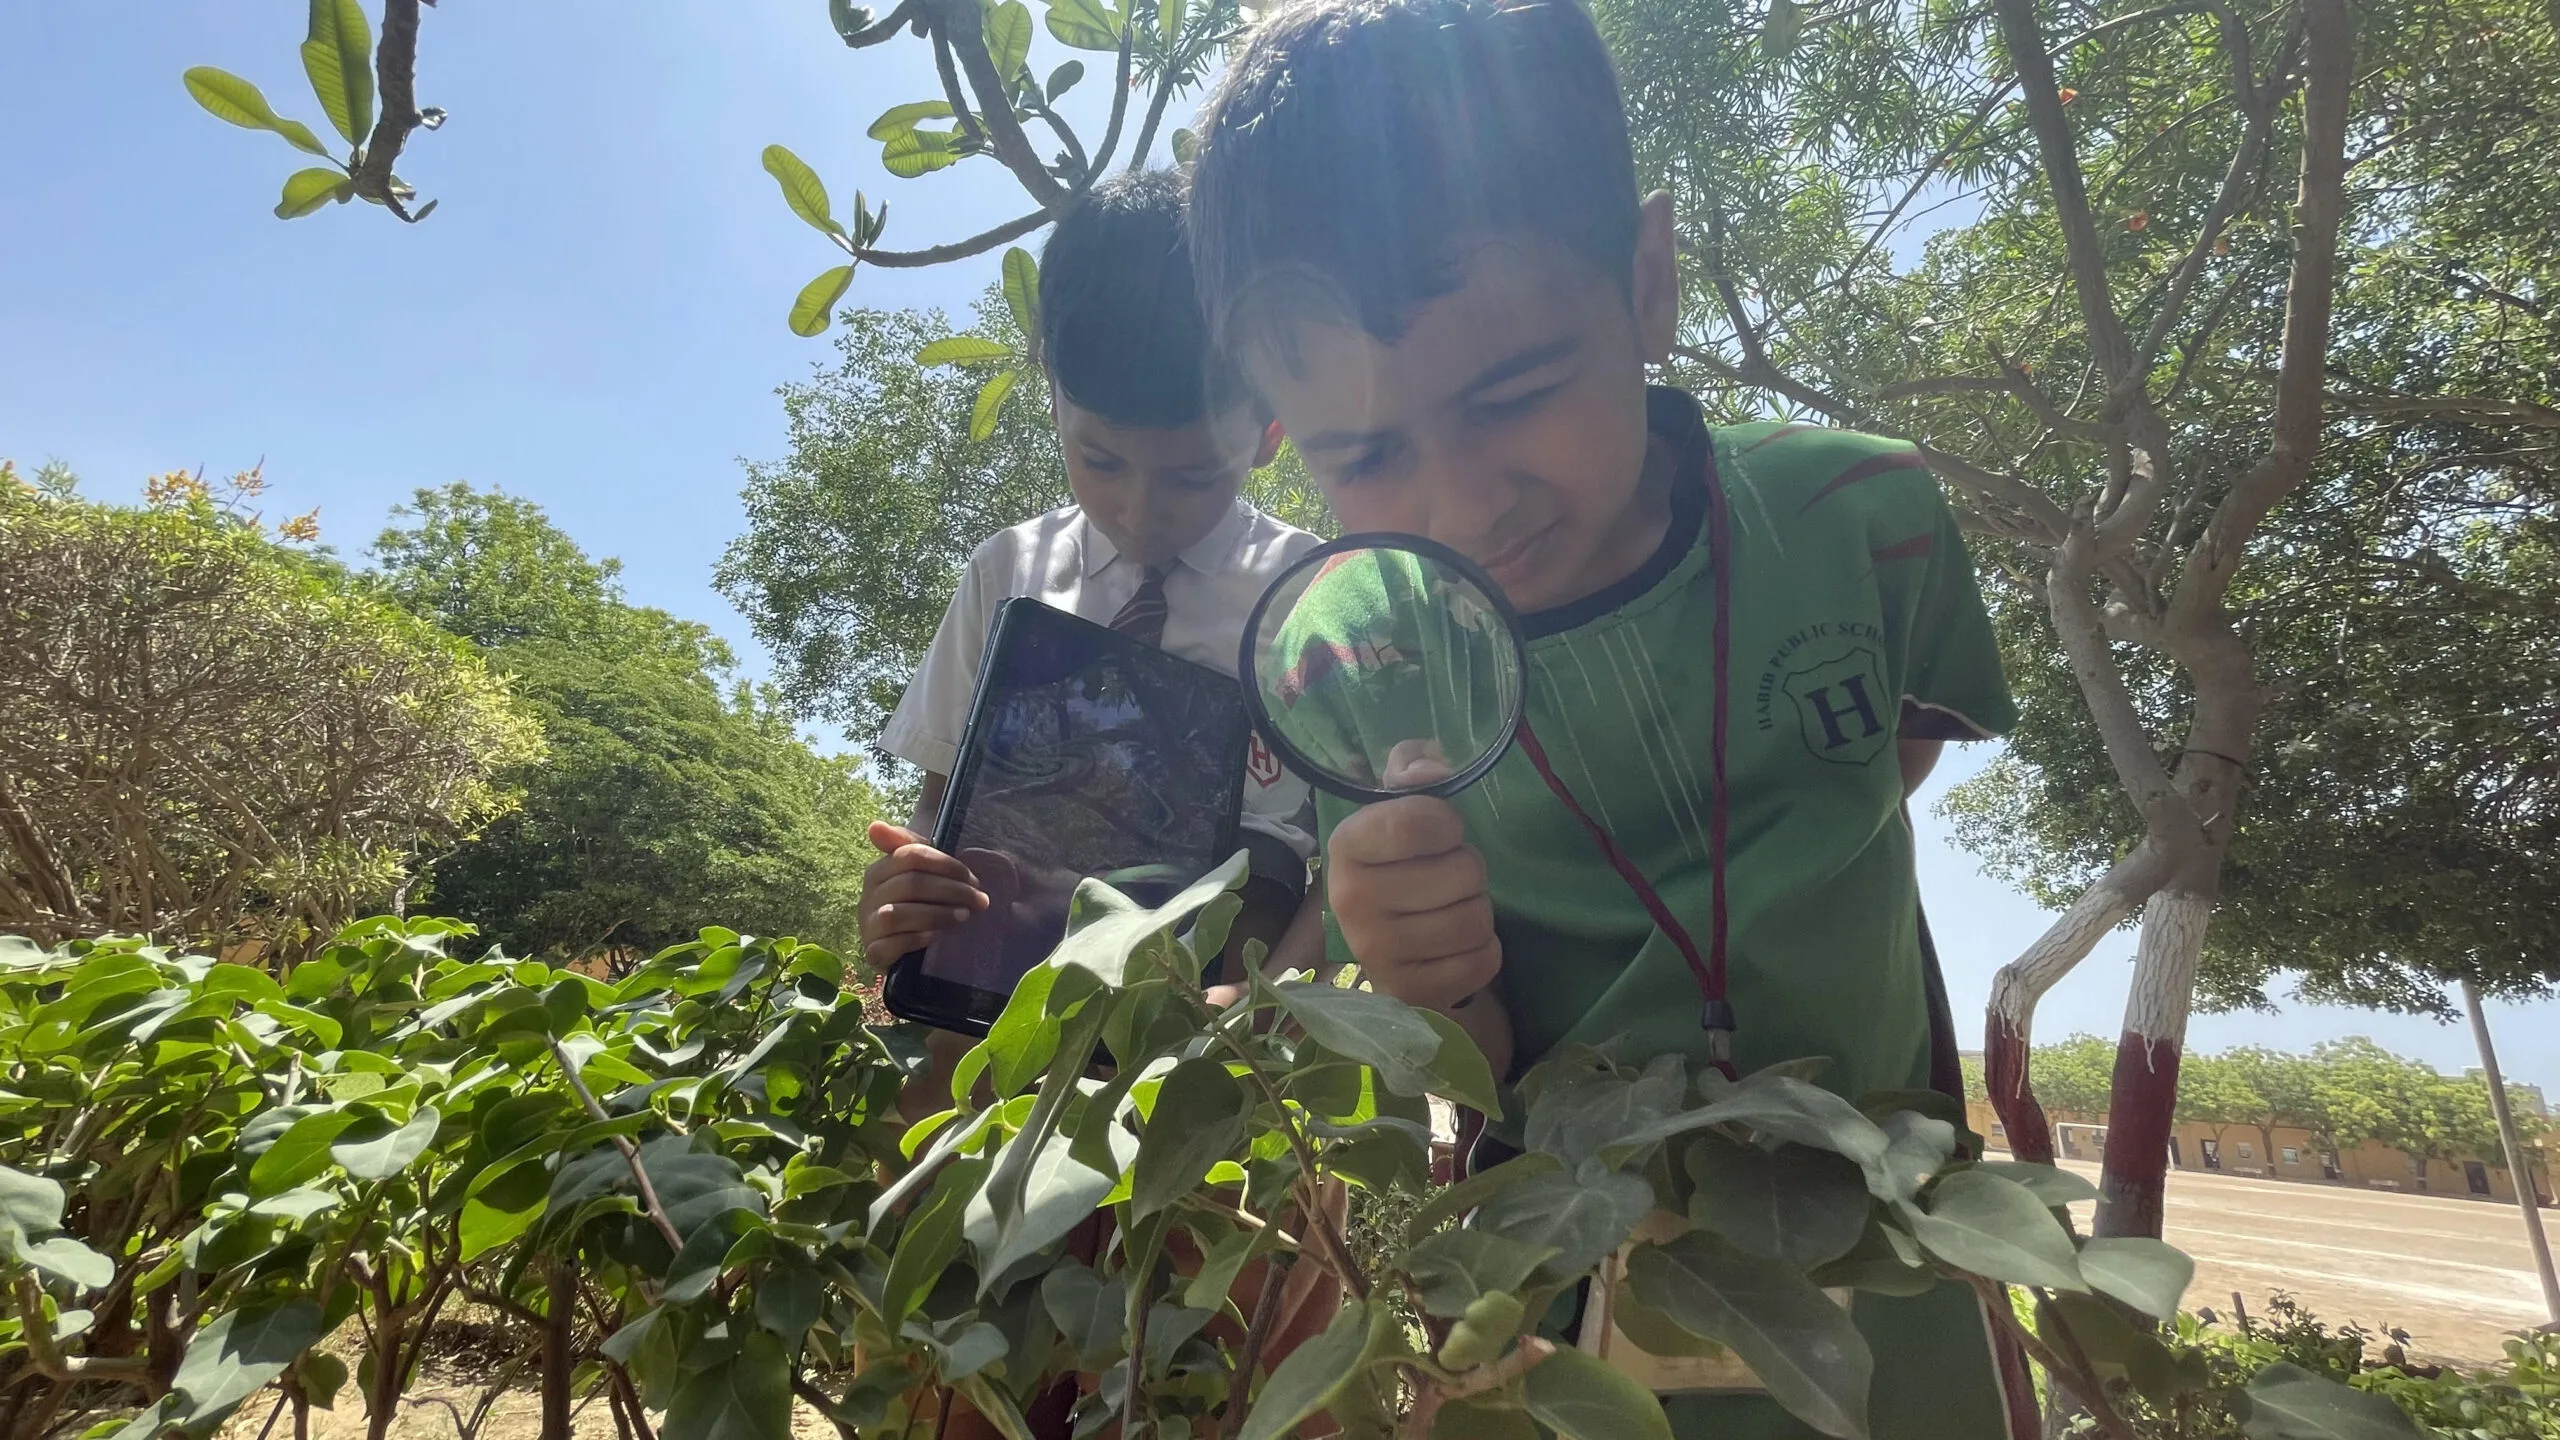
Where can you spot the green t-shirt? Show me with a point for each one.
(1856, 620)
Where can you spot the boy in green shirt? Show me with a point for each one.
(1416, 226)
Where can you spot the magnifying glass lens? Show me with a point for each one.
(1385, 665)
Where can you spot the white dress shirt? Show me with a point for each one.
(1063, 561)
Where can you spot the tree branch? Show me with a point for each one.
(1119, 103)
(649, 1204)
(2319, 206)
(882, 29)
(961, 115)
(2075, 620)
(2023, 34)
(2451, 407)
(1155, 117)
(2010, 381)
(959, 24)
(2045, 524)
(2239, 183)
(395, 68)
(978, 244)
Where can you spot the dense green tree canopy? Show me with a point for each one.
(669, 793)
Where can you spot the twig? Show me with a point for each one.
(1523, 1357)
(2083, 1387)
(47, 1358)
(656, 1212)
(1266, 1309)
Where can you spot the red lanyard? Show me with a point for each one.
(1716, 1012)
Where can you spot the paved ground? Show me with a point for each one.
(2453, 1273)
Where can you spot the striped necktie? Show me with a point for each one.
(1143, 616)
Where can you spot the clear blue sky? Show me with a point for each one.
(593, 318)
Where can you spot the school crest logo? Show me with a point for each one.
(1262, 765)
(1843, 707)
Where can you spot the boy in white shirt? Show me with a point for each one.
(1158, 438)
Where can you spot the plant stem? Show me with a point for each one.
(630, 1153)
(2083, 1386)
(1266, 1309)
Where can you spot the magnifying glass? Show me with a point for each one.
(1381, 665)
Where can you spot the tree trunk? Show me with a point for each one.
(2519, 1167)
(2143, 1105)
(2023, 981)
(559, 1357)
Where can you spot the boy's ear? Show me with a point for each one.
(1656, 291)
(1272, 435)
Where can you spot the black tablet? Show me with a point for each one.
(1086, 753)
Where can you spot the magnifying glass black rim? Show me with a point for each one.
(1297, 759)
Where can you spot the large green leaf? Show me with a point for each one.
(745, 1396)
(2055, 1186)
(900, 118)
(29, 1205)
(1312, 1374)
(814, 308)
(68, 1259)
(1058, 1192)
(1580, 1397)
(1783, 1107)
(337, 53)
(2287, 1402)
(1090, 1310)
(802, 190)
(1997, 1229)
(1385, 1034)
(238, 1353)
(1802, 1347)
(1582, 1217)
(2149, 1275)
(1459, 1070)
(1795, 1203)
(1199, 1117)
(376, 1150)
(300, 1153)
(228, 97)
(964, 350)
(930, 1238)
(1085, 24)
(1917, 1147)
(911, 153)
(1456, 1267)
(1478, 1188)
(304, 192)
(1585, 1114)
(1022, 290)
(1107, 932)
(1009, 38)
(990, 402)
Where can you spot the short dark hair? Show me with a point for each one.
(1120, 325)
(1355, 143)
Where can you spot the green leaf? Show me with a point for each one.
(1090, 1310)
(2114, 1347)
(815, 306)
(1460, 1069)
(1783, 1107)
(383, 1151)
(1579, 1397)
(2053, 1185)
(1582, 1217)
(964, 350)
(238, 1354)
(1454, 1268)
(789, 1299)
(1062, 79)
(1316, 1371)
(1106, 932)
(1917, 1147)
(1997, 1229)
(1022, 289)
(228, 97)
(248, 982)
(1478, 1418)
(801, 189)
(1378, 1031)
(321, 1375)
(2287, 1402)
(898, 119)
(982, 415)
(931, 1238)
(2149, 1275)
(1478, 1188)
(1796, 1203)
(1799, 1344)
(1058, 1192)
(338, 56)
(29, 1205)
(1199, 1117)
(746, 1396)
(911, 153)
(1085, 24)
(1186, 146)
(68, 1259)
(1581, 1115)
(1785, 27)
(1009, 37)
(1169, 17)
(300, 1153)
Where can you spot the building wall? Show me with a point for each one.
(2242, 1150)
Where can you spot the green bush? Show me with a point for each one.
(690, 1194)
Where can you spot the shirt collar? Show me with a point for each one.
(1212, 554)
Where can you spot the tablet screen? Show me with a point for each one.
(1087, 753)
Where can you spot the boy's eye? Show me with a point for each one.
(1107, 464)
(1511, 406)
(1361, 465)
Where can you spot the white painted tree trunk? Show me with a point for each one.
(2143, 1106)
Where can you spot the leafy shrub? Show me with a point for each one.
(691, 1193)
